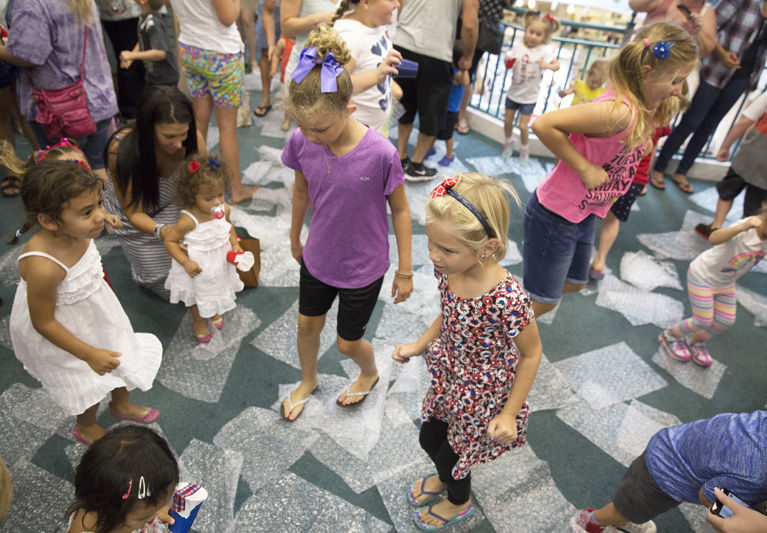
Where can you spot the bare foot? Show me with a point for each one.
(432, 484)
(444, 509)
(130, 410)
(298, 397)
(362, 384)
(200, 328)
(90, 432)
(285, 125)
(242, 194)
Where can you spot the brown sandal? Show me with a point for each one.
(684, 185)
(658, 184)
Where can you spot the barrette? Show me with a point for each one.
(130, 483)
(661, 49)
(142, 492)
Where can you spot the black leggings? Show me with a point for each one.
(433, 439)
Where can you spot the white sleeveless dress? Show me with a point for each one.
(212, 290)
(89, 309)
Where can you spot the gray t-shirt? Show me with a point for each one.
(417, 24)
(153, 35)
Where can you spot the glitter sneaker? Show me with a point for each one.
(524, 155)
(700, 354)
(508, 149)
(677, 349)
(580, 523)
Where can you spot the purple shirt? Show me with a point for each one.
(348, 242)
(46, 33)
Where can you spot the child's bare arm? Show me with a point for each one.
(403, 352)
(43, 278)
(570, 90)
(300, 208)
(172, 241)
(363, 81)
(400, 216)
(721, 235)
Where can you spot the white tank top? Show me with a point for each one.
(200, 27)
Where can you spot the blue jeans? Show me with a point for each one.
(555, 251)
(92, 146)
(709, 105)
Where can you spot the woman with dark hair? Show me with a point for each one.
(142, 159)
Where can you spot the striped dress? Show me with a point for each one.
(149, 260)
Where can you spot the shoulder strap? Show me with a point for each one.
(190, 215)
(43, 254)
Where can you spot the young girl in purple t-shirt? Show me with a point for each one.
(348, 173)
(599, 146)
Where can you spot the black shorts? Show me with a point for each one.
(638, 497)
(427, 93)
(451, 119)
(731, 186)
(622, 206)
(354, 305)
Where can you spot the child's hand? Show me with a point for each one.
(389, 65)
(503, 428)
(723, 153)
(594, 176)
(164, 515)
(403, 352)
(192, 268)
(401, 289)
(126, 59)
(237, 248)
(103, 361)
(753, 222)
(112, 222)
(743, 520)
(297, 251)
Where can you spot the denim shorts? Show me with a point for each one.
(92, 146)
(524, 109)
(555, 251)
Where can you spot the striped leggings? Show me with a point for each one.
(713, 311)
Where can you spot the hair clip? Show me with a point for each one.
(130, 483)
(661, 49)
(551, 19)
(193, 166)
(213, 162)
(446, 188)
(80, 163)
(18, 233)
(329, 71)
(142, 492)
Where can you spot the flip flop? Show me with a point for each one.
(147, 418)
(423, 526)
(462, 128)
(262, 110)
(10, 187)
(432, 495)
(684, 185)
(355, 394)
(660, 185)
(292, 406)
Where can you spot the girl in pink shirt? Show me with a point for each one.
(599, 146)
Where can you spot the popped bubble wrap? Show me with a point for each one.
(550, 389)
(702, 381)
(646, 273)
(755, 303)
(638, 306)
(39, 498)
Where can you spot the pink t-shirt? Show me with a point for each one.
(563, 191)
(348, 242)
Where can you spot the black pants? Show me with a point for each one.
(130, 82)
(433, 439)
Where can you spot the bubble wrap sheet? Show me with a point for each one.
(217, 471)
(493, 166)
(39, 499)
(394, 495)
(622, 431)
(267, 443)
(199, 371)
(550, 389)
(646, 273)
(213, 137)
(609, 375)
(106, 243)
(695, 514)
(290, 503)
(533, 173)
(638, 306)
(278, 339)
(755, 303)
(702, 381)
(708, 198)
(682, 245)
(9, 272)
(411, 382)
(519, 480)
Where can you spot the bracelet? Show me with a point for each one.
(158, 229)
(403, 275)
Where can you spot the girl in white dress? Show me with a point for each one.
(67, 327)
(202, 277)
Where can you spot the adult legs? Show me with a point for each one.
(230, 152)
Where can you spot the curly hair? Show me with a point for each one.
(307, 98)
(196, 171)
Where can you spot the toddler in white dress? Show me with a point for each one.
(200, 274)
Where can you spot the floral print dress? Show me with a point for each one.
(472, 365)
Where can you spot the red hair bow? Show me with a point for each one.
(550, 18)
(194, 166)
(441, 189)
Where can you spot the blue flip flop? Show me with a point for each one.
(423, 526)
(432, 494)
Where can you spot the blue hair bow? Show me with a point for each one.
(328, 74)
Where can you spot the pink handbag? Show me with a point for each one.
(64, 112)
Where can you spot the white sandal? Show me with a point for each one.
(293, 406)
(348, 394)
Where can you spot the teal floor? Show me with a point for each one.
(602, 391)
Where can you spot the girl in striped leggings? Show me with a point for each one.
(711, 285)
